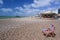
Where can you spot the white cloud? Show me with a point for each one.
(36, 4)
(32, 9)
(57, 1)
(19, 8)
(26, 10)
(54, 10)
(41, 3)
(1, 1)
(6, 9)
(29, 11)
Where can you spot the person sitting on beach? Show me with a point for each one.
(52, 28)
(50, 31)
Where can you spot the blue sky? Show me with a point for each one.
(27, 7)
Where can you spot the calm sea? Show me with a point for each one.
(6, 17)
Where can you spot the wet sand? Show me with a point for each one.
(27, 29)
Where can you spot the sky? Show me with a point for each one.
(27, 7)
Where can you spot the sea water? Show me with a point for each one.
(6, 17)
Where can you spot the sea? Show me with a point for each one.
(8, 17)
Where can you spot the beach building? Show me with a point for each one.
(58, 14)
(48, 14)
(58, 11)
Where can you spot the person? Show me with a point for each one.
(50, 31)
(52, 27)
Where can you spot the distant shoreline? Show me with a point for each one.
(8, 17)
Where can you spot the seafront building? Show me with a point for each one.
(58, 13)
(50, 14)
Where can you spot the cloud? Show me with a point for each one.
(57, 1)
(1, 1)
(6, 9)
(34, 8)
(26, 10)
(7, 12)
(41, 3)
(19, 8)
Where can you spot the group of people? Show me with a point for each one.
(49, 32)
